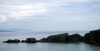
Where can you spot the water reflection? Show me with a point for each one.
(48, 47)
(95, 47)
(79, 46)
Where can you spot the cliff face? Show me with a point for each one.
(92, 37)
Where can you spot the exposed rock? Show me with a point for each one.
(93, 37)
(23, 41)
(43, 40)
(30, 40)
(75, 38)
(63, 38)
(58, 38)
(12, 41)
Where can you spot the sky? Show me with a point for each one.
(50, 15)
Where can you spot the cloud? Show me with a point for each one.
(50, 14)
(43, 1)
(3, 18)
(20, 11)
(25, 8)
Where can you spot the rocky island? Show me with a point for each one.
(65, 37)
(29, 40)
(93, 37)
(12, 41)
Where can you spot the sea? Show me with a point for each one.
(40, 46)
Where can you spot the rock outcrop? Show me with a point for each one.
(93, 37)
(29, 40)
(55, 38)
(63, 38)
(43, 40)
(58, 38)
(75, 38)
(12, 41)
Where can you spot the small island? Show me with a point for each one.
(93, 37)
(12, 41)
(29, 40)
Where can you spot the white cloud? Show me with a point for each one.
(21, 11)
(22, 14)
(50, 14)
(3, 18)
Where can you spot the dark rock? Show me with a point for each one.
(58, 38)
(31, 40)
(43, 40)
(63, 38)
(75, 38)
(12, 41)
(93, 37)
(23, 41)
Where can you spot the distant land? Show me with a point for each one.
(5, 31)
(15, 30)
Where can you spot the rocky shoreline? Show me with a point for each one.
(93, 37)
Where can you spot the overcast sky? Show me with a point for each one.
(50, 15)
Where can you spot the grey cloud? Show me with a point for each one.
(55, 15)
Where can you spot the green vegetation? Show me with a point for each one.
(58, 38)
(29, 40)
(75, 38)
(43, 40)
(63, 38)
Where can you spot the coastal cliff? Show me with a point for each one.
(93, 37)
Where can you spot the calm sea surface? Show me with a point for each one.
(42, 46)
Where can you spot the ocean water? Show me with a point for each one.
(42, 46)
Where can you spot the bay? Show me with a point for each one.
(42, 46)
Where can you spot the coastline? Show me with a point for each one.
(64, 37)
